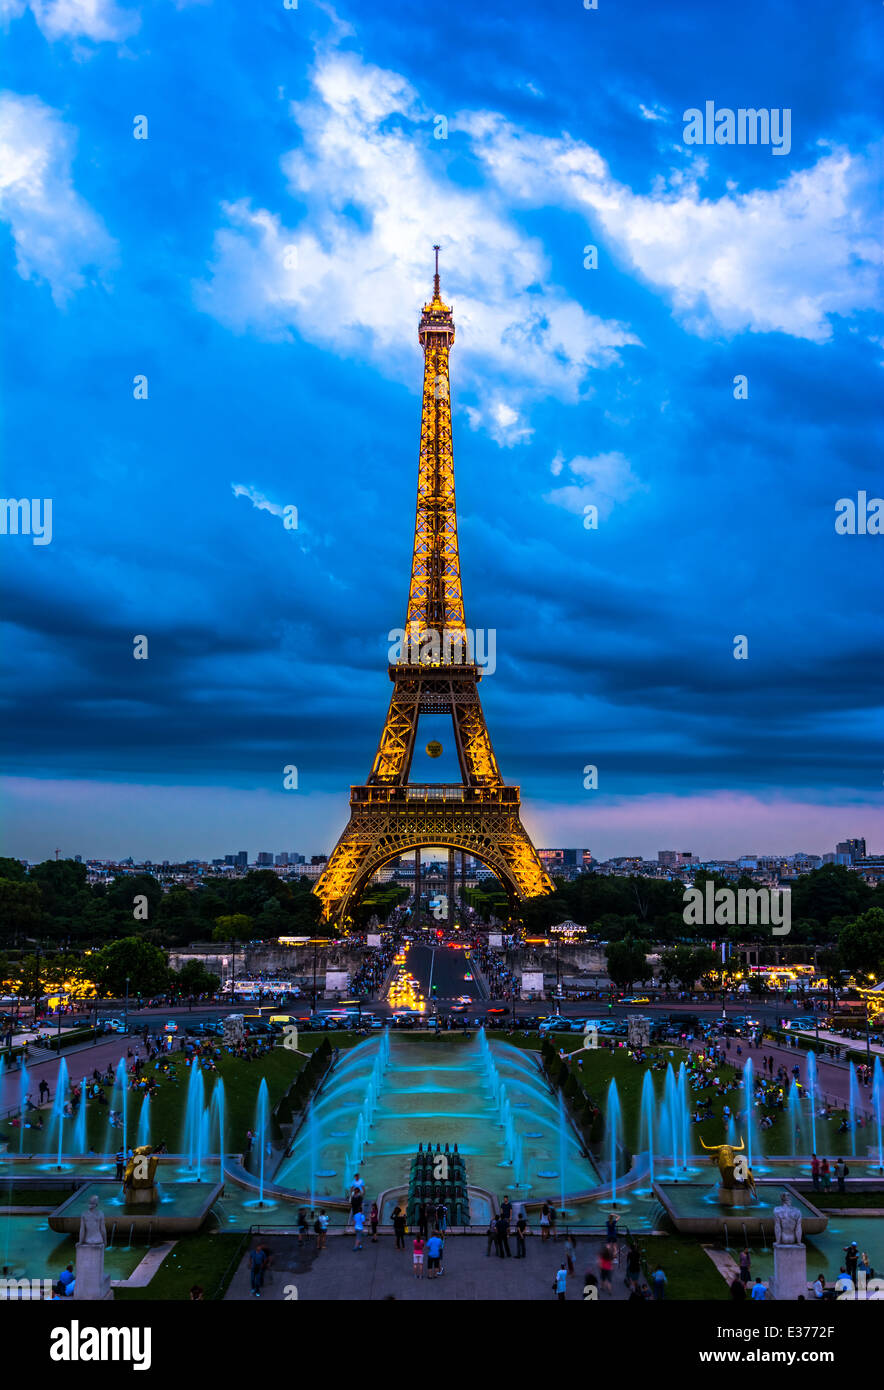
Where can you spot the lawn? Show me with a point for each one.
(207, 1259)
(825, 1201)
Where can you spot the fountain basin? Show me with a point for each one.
(694, 1208)
(182, 1207)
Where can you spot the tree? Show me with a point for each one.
(131, 958)
(194, 978)
(861, 944)
(678, 965)
(832, 891)
(627, 961)
(21, 908)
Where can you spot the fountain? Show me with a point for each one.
(58, 1105)
(194, 1128)
(143, 1135)
(261, 1113)
(217, 1108)
(23, 1083)
(878, 1105)
(563, 1148)
(80, 1142)
(852, 1106)
(612, 1135)
(752, 1146)
(646, 1133)
(812, 1089)
(795, 1130)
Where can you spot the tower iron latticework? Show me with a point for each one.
(434, 673)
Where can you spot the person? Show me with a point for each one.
(492, 1239)
(196, 1294)
(506, 1210)
(815, 1173)
(503, 1238)
(66, 1277)
(552, 1222)
(633, 1266)
(120, 1163)
(322, 1233)
(544, 1221)
(441, 1217)
(759, 1292)
(257, 1263)
(851, 1259)
(302, 1225)
(44, 1090)
(745, 1266)
(358, 1228)
(434, 1249)
(561, 1282)
(522, 1230)
(423, 1220)
(738, 1289)
(825, 1175)
(418, 1256)
(373, 1218)
(399, 1227)
(611, 1227)
(606, 1266)
(841, 1172)
(659, 1282)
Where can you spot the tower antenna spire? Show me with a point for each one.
(436, 276)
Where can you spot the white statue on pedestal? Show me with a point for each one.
(93, 1231)
(787, 1222)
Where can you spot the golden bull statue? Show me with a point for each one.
(140, 1170)
(734, 1171)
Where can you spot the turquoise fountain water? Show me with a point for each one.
(23, 1084)
(752, 1148)
(143, 1135)
(853, 1106)
(812, 1095)
(194, 1121)
(261, 1114)
(878, 1105)
(647, 1113)
(58, 1104)
(218, 1108)
(613, 1135)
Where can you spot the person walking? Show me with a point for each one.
(418, 1256)
(373, 1218)
(358, 1228)
(633, 1266)
(503, 1238)
(745, 1266)
(257, 1265)
(606, 1267)
(561, 1282)
(321, 1229)
(659, 1283)
(399, 1227)
(759, 1292)
(522, 1229)
(544, 1221)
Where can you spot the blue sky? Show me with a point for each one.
(262, 258)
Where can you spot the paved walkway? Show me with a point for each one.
(381, 1272)
(80, 1063)
(833, 1078)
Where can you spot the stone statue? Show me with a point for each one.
(787, 1222)
(92, 1228)
(733, 1171)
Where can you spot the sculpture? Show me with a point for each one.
(787, 1222)
(140, 1170)
(92, 1228)
(733, 1171)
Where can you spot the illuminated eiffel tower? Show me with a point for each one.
(435, 673)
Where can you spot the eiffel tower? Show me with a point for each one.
(435, 672)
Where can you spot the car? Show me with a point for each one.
(171, 1026)
(464, 999)
(116, 1025)
(468, 976)
(555, 1023)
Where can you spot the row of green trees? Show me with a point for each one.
(304, 1084)
(53, 902)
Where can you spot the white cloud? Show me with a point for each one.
(653, 113)
(783, 259)
(99, 20)
(356, 282)
(606, 480)
(258, 499)
(58, 238)
(505, 425)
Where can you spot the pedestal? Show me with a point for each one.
(789, 1271)
(734, 1197)
(92, 1282)
(141, 1196)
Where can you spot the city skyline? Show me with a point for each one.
(271, 311)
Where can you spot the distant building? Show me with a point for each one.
(319, 859)
(282, 859)
(242, 859)
(673, 858)
(856, 849)
(265, 860)
(871, 866)
(837, 859)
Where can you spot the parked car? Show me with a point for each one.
(171, 1026)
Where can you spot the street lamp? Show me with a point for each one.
(126, 1011)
